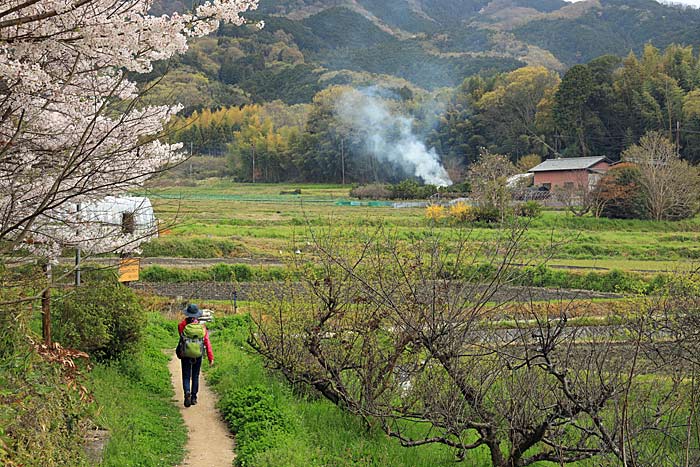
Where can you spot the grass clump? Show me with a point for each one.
(252, 413)
(43, 411)
(251, 405)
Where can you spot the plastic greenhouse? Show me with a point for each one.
(134, 214)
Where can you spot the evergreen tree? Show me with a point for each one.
(571, 108)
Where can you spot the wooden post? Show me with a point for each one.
(77, 255)
(77, 267)
(46, 306)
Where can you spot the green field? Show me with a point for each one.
(281, 424)
(255, 223)
(224, 219)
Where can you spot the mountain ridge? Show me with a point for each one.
(310, 44)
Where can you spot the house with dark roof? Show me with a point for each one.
(570, 172)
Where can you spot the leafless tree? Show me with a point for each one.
(671, 185)
(426, 334)
(580, 198)
(488, 177)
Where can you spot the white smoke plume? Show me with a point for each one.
(390, 137)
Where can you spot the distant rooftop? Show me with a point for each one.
(569, 163)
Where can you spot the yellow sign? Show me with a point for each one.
(129, 269)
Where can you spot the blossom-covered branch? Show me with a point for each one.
(72, 126)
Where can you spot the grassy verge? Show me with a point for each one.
(44, 414)
(134, 399)
(277, 427)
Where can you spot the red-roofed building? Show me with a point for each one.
(570, 172)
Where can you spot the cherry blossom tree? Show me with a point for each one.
(73, 128)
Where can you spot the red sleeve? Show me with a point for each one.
(207, 345)
(181, 326)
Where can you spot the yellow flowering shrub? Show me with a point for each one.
(462, 212)
(435, 212)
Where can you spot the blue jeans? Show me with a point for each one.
(190, 369)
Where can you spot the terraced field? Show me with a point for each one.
(257, 222)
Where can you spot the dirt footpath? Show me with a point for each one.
(209, 442)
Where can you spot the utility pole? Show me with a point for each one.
(670, 114)
(252, 146)
(342, 157)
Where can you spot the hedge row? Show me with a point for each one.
(613, 281)
(193, 248)
(217, 273)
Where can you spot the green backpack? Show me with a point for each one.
(192, 340)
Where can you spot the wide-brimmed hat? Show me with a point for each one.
(192, 311)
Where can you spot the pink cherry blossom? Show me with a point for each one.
(72, 126)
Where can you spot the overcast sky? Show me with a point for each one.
(695, 3)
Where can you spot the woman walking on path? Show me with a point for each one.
(194, 339)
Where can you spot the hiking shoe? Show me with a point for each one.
(188, 399)
(194, 400)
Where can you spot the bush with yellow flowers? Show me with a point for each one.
(461, 212)
(435, 212)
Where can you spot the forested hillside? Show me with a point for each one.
(441, 79)
(308, 45)
(380, 132)
(617, 27)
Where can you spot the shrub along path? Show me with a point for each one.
(209, 443)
